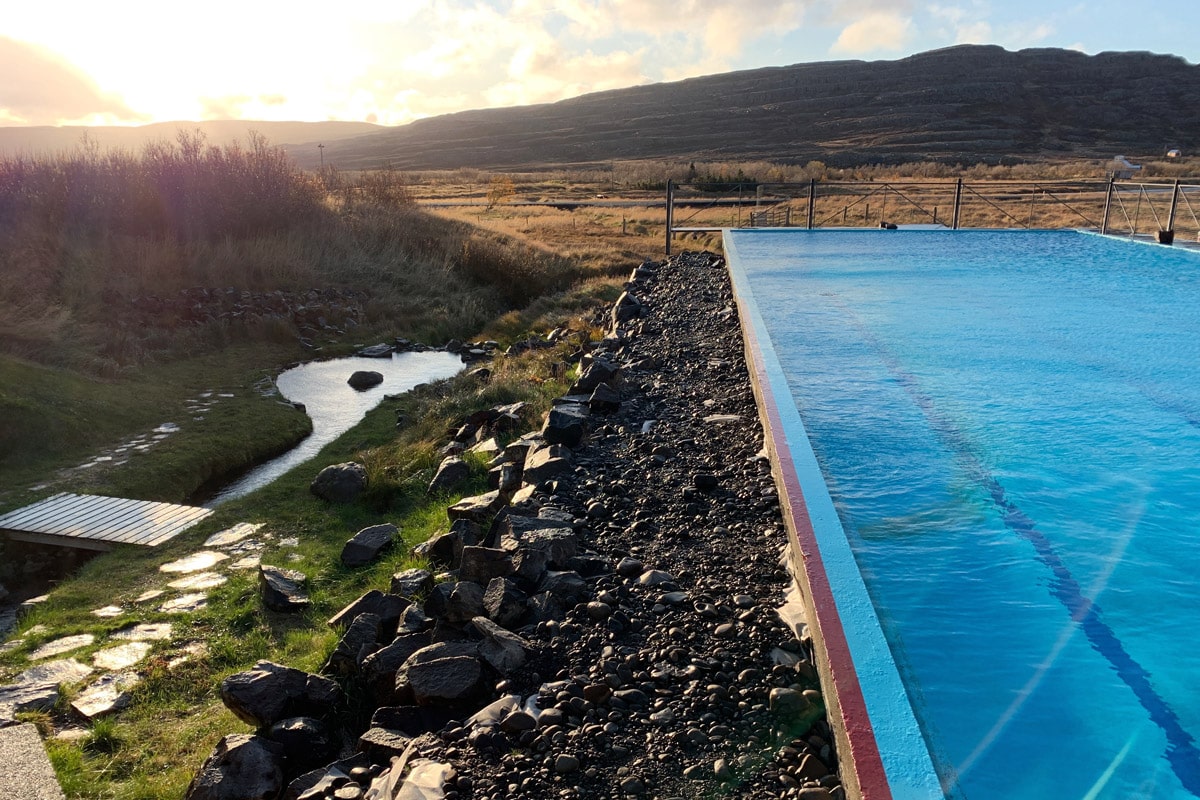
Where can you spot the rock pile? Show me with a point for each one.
(601, 623)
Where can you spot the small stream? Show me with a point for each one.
(335, 408)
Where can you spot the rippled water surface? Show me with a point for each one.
(1009, 424)
(335, 407)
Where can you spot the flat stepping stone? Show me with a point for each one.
(232, 535)
(64, 645)
(108, 612)
(187, 653)
(110, 693)
(290, 541)
(26, 697)
(185, 604)
(196, 562)
(122, 656)
(247, 562)
(25, 769)
(64, 670)
(203, 580)
(145, 632)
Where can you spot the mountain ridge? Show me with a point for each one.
(965, 103)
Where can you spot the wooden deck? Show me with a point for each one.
(94, 522)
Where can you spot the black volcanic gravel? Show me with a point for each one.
(675, 677)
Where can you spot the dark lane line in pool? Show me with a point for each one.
(1182, 753)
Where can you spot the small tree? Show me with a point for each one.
(501, 190)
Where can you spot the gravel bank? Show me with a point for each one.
(678, 679)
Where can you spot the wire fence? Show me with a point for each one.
(1166, 211)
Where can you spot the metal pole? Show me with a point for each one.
(958, 187)
(670, 212)
(812, 199)
(1107, 206)
(1174, 206)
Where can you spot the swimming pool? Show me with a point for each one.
(1008, 425)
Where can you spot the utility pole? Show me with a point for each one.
(321, 147)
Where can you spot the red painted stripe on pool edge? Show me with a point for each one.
(865, 757)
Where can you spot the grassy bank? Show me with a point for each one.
(131, 282)
(141, 290)
(152, 749)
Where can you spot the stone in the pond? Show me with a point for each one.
(64, 645)
(200, 560)
(364, 379)
(340, 483)
(203, 580)
(121, 656)
(185, 603)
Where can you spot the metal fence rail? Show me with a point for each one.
(1167, 211)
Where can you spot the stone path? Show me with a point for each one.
(38, 687)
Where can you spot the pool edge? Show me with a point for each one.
(881, 748)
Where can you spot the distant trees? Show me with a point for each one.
(500, 190)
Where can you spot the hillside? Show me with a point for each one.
(43, 139)
(966, 103)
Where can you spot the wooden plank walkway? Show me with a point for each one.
(94, 522)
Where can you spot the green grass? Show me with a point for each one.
(52, 420)
(86, 247)
(152, 749)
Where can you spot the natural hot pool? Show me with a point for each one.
(1008, 424)
(335, 407)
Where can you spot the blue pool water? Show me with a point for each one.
(1009, 426)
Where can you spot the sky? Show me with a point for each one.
(392, 61)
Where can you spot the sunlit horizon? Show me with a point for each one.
(133, 62)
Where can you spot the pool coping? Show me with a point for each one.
(883, 753)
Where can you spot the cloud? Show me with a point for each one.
(873, 32)
(44, 89)
(964, 26)
(547, 73)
